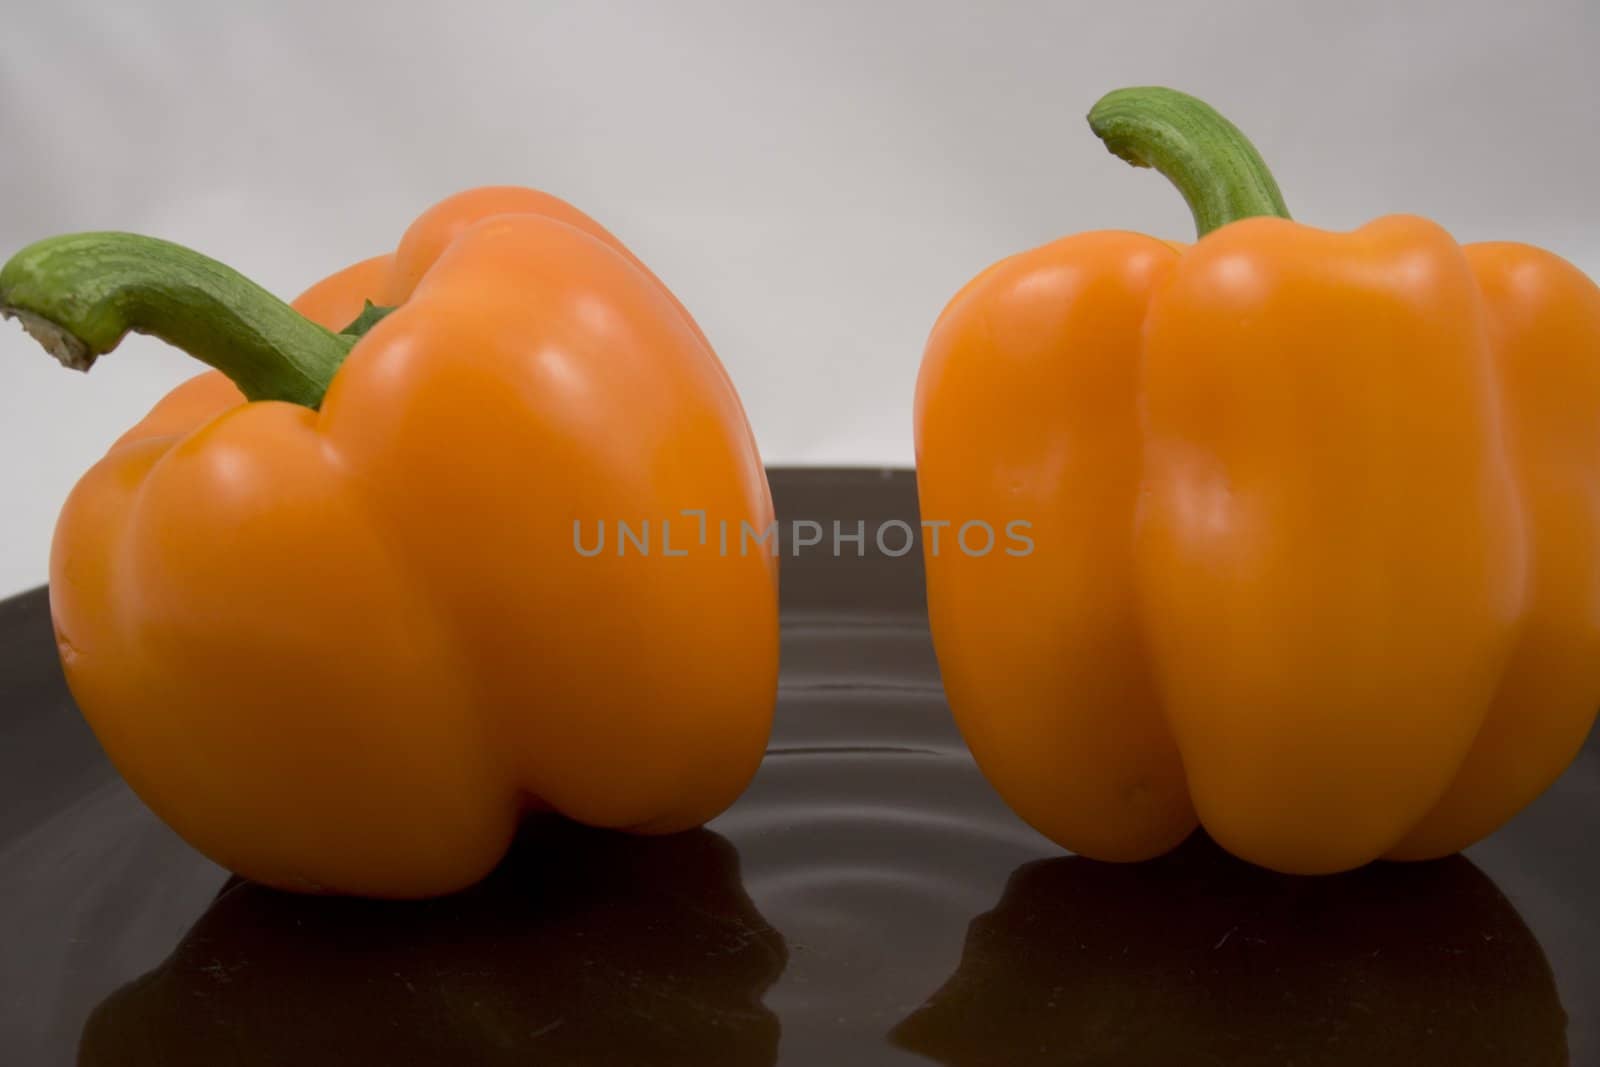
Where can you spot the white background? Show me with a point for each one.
(814, 180)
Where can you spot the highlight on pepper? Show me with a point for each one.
(320, 605)
(1317, 520)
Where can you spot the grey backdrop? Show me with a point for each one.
(813, 180)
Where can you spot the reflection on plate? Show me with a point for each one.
(583, 948)
(1199, 958)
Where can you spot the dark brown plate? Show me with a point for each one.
(868, 901)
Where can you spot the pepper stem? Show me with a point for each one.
(1216, 168)
(79, 295)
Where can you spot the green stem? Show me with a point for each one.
(79, 295)
(1215, 167)
(371, 315)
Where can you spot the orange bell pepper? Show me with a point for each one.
(342, 642)
(1316, 521)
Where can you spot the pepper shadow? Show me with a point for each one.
(584, 947)
(1200, 958)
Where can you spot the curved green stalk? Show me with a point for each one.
(79, 295)
(1216, 168)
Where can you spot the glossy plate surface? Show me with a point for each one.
(868, 901)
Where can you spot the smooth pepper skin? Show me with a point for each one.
(346, 649)
(1316, 521)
